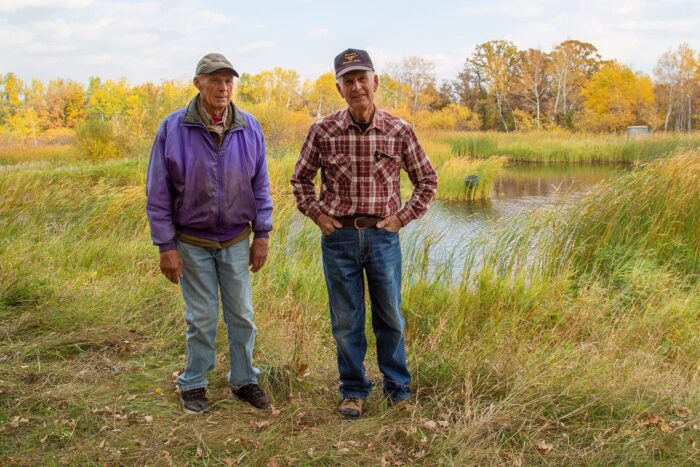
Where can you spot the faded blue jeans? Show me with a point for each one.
(348, 256)
(206, 272)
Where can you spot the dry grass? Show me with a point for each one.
(576, 357)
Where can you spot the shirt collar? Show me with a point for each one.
(377, 120)
(208, 121)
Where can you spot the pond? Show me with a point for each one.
(521, 188)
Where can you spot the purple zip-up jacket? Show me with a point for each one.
(198, 189)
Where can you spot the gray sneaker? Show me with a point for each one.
(194, 401)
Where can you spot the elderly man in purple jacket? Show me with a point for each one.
(207, 188)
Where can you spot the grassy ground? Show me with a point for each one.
(585, 352)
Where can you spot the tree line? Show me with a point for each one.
(499, 88)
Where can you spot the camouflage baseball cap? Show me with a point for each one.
(352, 60)
(213, 62)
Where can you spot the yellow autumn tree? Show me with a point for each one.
(323, 97)
(616, 97)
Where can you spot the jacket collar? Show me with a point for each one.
(377, 120)
(192, 115)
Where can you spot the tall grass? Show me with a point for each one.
(546, 147)
(575, 343)
(452, 178)
(24, 154)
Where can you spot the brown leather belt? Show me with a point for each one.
(359, 222)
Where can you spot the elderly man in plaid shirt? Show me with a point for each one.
(360, 152)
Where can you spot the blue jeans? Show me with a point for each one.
(348, 256)
(206, 271)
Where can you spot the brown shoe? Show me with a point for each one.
(351, 407)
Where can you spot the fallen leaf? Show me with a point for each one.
(102, 444)
(343, 451)
(148, 418)
(261, 425)
(683, 412)
(301, 369)
(431, 425)
(544, 446)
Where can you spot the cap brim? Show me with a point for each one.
(353, 68)
(211, 69)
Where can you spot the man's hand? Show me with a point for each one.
(390, 224)
(258, 254)
(171, 265)
(328, 224)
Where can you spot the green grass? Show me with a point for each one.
(451, 178)
(551, 147)
(576, 342)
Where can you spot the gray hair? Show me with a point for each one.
(339, 81)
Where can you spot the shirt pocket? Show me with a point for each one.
(387, 167)
(338, 169)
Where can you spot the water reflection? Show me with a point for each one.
(450, 227)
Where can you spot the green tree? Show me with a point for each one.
(495, 65)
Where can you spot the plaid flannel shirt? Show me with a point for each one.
(360, 171)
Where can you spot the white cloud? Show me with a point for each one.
(519, 9)
(254, 47)
(318, 33)
(12, 6)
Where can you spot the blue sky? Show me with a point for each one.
(159, 39)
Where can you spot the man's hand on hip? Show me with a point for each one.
(171, 265)
(391, 223)
(258, 254)
(328, 224)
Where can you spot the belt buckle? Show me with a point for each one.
(354, 223)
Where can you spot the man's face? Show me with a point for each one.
(215, 89)
(358, 88)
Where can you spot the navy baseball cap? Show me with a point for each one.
(352, 60)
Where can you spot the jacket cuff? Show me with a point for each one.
(167, 246)
(261, 235)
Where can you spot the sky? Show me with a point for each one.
(163, 39)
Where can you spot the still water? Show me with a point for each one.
(521, 188)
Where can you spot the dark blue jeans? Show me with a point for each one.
(348, 256)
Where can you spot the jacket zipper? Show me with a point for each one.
(220, 167)
(219, 171)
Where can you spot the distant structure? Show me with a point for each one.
(637, 131)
